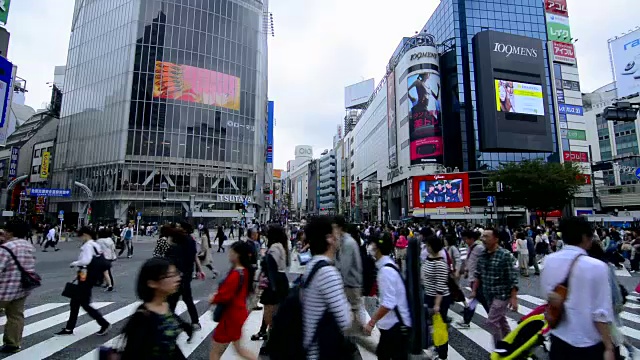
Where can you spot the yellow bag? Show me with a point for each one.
(440, 332)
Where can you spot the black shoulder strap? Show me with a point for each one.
(15, 259)
(395, 309)
(241, 273)
(320, 264)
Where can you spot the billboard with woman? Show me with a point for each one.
(425, 117)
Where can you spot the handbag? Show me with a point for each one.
(555, 308)
(440, 333)
(220, 308)
(28, 280)
(71, 290)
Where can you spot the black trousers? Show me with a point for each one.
(561, 350)
(393, 345)
(187, 297)
(83, 302)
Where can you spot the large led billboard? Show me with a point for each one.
(425, 111)
(625, 54)
(441, 191)
(391, 121)
(357, 95)
(192, 84)
(511, 93)
(516, 97)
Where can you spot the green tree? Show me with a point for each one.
(538, 185)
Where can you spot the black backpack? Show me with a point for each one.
(286, 336)
(369, 272)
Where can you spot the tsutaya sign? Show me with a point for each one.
(235, 199)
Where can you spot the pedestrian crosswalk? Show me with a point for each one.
(624, 272)
(42, 321)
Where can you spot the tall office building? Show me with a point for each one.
(327, 182)
(165, 109)
(454, 24)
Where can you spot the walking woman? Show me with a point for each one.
(108, 248)
(152, 331)
(205, 252)
(232, 293)
(435, 276)
(183, 255)
(162, 246)
(87, 277)
(273, 278)
(220, 237)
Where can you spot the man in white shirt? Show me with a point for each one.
(393, 317)
(51, 240)
(583, 332)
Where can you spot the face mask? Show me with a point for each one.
(371, 251)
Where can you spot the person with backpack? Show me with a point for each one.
(127, 237)
(393, 316)
(89, 273)
(326, 312)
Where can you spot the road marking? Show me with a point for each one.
(35, 311)
(55, 320)
(58, 343)
(118, 340)
(206, 321)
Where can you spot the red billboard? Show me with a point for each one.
(441, 191)
(353, 195)
(575, 156)
(564, 53)
(585, 178)
(556, 7)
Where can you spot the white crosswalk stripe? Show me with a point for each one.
(43, 320)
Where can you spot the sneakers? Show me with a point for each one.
(6, 349)
(108, 289)
(196, 327)
(104, 330)
(462, 325)
(65, 331)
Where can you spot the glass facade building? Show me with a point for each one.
(454, 24)
(165, 109)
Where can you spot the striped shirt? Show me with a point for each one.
(435, 277)
(324, 292)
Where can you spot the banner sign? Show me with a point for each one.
(13, 163)
(564, 53)
(570, 109)
(49, 192)
(575, 156)
(44, 167)
(575, 134)
(558, 7)
(558, 28)
(571, 85)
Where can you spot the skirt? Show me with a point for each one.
(271, 297)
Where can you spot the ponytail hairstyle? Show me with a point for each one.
(245, 251)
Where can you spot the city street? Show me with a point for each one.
(47, 311)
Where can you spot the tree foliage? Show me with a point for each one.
(538, 185)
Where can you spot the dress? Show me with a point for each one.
(234, 297)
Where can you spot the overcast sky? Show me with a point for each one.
(319, 48)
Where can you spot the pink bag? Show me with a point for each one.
(638, 288)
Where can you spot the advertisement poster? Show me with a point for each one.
(13, 163)
(564, 53)
(353, 195)
(625, 53)
(558, 28)
(192, 84)
(571, 85)
(270, 109)
(425, 126)
(560, 96)
(391, 120)
(445, 190)
(521, 98)
(44, 167)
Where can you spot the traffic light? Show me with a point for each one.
(621, 111)
(242, 209)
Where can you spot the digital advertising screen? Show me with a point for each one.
(425, 112)
(517, 97)
(192, 84)
(625, 53)
(445, 190)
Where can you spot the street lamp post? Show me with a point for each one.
(164, 188)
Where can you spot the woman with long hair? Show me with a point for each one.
(273, 278)
(205, 252)
(232, 294)
(109, 251)
(152, 331)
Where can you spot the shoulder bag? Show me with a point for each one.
(555, 306)
(28, 280)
